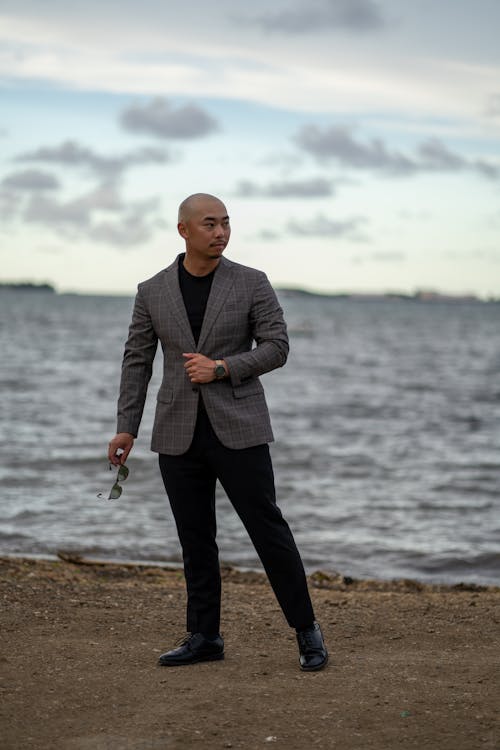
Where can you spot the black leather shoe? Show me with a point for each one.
(195, 647)
(312, 649)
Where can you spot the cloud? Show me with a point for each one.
(487, 255)
(9, 204)
(161, 119)
(353, 15)
(493, 106)
(268, 235)
(486, 168)
(414, 215)
(322, 226)
(315, 187)
(30, 179)
(388, 256)
(132, 229)
(71, 153)
(76, 212)
(434, 156)
(100, 214)
(337, 143)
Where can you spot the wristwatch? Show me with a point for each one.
(219, 370)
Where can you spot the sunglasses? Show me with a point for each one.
(116, 490)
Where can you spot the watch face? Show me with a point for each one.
(220, 371)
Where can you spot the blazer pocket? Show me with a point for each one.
(165, 395)
(248, 389)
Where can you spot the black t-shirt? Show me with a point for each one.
(195, 291)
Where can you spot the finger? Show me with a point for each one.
(189, 355)
(124, 455)
(112, 457)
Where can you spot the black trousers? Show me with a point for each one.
(248, 480)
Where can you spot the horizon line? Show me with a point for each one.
(421, 294)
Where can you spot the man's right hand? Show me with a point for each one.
(123, 442)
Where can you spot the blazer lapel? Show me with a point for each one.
(222, 283)
(176, 304)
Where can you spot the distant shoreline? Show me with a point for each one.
(286, 292)
(27, 286)
(418, 296)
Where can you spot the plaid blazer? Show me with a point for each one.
(242, 309)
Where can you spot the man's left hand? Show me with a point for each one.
(200, 369)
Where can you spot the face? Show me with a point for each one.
(206, 230)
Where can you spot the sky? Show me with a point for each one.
(355, 143)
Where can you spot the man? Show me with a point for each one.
(212, 421)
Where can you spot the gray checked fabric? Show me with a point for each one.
(243, 324)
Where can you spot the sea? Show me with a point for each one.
(387, 426)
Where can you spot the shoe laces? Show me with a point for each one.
(185, 639)
(307, 638)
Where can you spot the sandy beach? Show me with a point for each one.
(411, 665)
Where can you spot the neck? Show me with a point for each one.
(200, 267)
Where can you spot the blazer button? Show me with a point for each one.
(195, 389)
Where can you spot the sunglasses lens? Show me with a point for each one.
(115, 493)
(122, 473)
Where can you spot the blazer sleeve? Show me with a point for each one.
(137, 367)
(268, 329)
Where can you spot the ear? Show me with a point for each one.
(181, 228)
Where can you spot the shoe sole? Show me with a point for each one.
(315, 669)
(172, 663)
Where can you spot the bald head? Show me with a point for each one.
(204, 227)
(198, 202)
